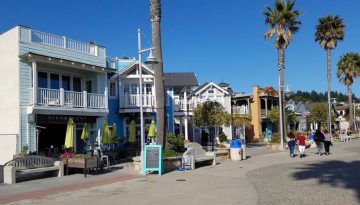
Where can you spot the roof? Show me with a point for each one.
(180, 79)
(203, 86)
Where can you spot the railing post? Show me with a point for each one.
(62, 97)
(34, 83)
(106, 97)
(85, 98)
(65, 42)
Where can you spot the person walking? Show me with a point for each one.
(291, 143)
(319, 140)
(327, 142)
(301, 143)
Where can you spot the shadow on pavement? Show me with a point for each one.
(250, 145)
(334, 173)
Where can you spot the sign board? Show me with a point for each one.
(152, 158)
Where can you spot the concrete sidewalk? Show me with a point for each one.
(226, 183)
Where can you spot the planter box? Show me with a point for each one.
(86, 164)
(171, 164)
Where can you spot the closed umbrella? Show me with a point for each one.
(69, 137)
(114, 138)
(85, 133)
(132, 135)
(152, 132)
(106, 134)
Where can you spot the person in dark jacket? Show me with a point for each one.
(319, 140)
(291, 143)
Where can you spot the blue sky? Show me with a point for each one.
(218, 40)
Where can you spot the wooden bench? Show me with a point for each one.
(30, 164)
(197, 154)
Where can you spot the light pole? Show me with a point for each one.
(330, 105)
(149, 60)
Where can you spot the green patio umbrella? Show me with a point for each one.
(106, 134)
(132, 135)
(152, 132)
(114, 138)
(85, 133)
(69, 137)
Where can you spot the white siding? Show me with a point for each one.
(9, 89)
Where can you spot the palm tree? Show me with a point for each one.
(329, 31)
(348, 69)
(283, 21)
(155, 17)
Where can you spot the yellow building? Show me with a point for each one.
(256, 106)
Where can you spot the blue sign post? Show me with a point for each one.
(152, 158)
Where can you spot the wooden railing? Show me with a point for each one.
(180, 105)
(74, 99)
(69, 99)
(48, 97)
(134, 100)
(63, 42)
(96, 100)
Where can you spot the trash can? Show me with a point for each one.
(235, 149)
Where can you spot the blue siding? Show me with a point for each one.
(170, 110)
(114, 116)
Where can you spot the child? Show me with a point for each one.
(301, 143)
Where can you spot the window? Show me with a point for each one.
(65, 80)
(76, 84)
(89, 86)
(54, 81)
(42, 80)
(147, 89)
(211, 91)
(112, 89)
(134, 89)
(126, 89)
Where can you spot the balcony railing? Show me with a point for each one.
(68, 99)
(134, 100)
(63, 42)
(241, 110)
(180, 105)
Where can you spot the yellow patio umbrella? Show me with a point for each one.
(152, 132)
(114, 138)
(85, 133)
(132, 135)
(69, 137)
(106, 134)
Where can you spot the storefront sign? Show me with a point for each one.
(152, 158)
(64, 119)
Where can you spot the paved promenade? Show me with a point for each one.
(273, 178)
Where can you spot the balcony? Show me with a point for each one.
(240, 110)
(63, 42)
(59, 98)
(180, 105)
(133, 101)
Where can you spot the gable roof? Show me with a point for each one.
(206, 85)
(130, 66)
(180, 79)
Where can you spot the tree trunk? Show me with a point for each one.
(281, 67)
(328, 87)
(349, 92)
(155, 17)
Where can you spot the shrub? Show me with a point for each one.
(171, 153)
(223, 137)
(176, 143)
(275, 138)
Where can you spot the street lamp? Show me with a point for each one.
(150, 60)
